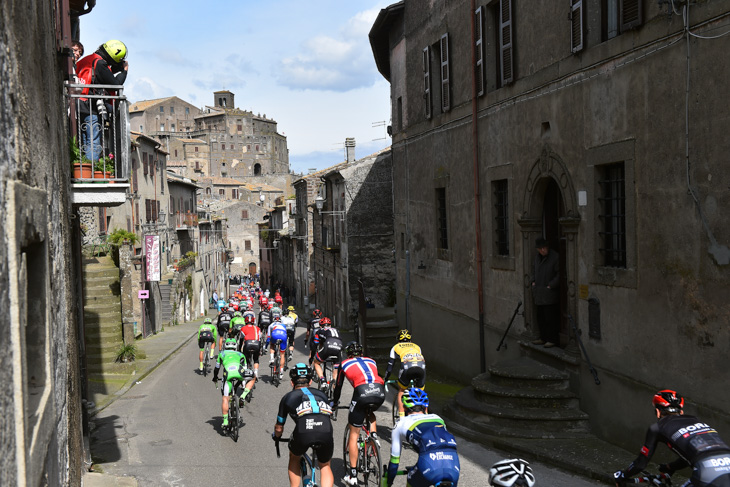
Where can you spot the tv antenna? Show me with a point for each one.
(381, 124)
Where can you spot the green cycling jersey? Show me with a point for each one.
(208, 327)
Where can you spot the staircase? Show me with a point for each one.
(381, 329)
(166, 304)
(521, 398)
(102, 315)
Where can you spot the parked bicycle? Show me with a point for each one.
(307, 464)
(368, 453)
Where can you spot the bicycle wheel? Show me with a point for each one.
(370, 467)
(306, 478)
(345, 450)
(206, 356)
(396, 417)
(233, 416)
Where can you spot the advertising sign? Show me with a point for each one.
(152, 252)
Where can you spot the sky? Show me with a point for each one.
(307, 65)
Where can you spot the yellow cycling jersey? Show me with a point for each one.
(406, 352)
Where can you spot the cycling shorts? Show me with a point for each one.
(319, 438)
(203, 338)
(331, 348)
(222, 328)
(278, 335)
(711, 470)
(414, 373)
(251, 348)
(434, 467)
(365, 396)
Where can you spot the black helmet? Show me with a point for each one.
(300, 371)
(404, 336)
(511, 473)
(668, 401)
(353, 349)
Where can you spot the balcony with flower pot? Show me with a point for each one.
(99, 144)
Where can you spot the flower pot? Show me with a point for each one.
(98, 174)
(109, 176)
(82, 171)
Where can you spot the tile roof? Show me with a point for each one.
(143, 105)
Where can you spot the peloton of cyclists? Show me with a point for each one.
(313, 426)
(412, 366)
(369, 393)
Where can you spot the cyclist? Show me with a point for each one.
(251, 338)
(437, 457)
(696, 443)
(291, 326)
(235, 325)
(329, 345)
(511, 472)
(249, 310)
(412, 368)
(275, 313)
(207, 333)
(222, 323)
(313, 324)
(277, 331)
(234, 368)
(311, 413)
(264, 319)
(362, 372)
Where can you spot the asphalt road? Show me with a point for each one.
(166, 431)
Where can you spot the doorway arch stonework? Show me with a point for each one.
(549, 166)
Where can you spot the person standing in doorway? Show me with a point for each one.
(545, 296)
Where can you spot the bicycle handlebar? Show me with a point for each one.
(277, 441)
(647, 478)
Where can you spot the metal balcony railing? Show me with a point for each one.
(185, 220)
(100, 140)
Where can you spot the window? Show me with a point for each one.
(136, 214)
(620, 16)
(162, 109)
(244, 214)
(501, 216)
(144, 163)
(427, 81)
(257, 147)
(172, 110)
(141, 128)
(234, 193)
(162, 127)
(134, 175)
(479, 50)
(175, 152)
(247, 245)
(576, 26)
(222, 192)
(187, 110)
(197, 165)
(172, 127)
(257, 169)
(196, 148)
(445, 74)
(223, 146)
(504, 27)
(612, 217)
(239, 127)
(442, 241)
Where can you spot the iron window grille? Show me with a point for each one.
(613, 215)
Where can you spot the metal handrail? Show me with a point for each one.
(583, 348)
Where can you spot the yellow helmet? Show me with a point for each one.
(116, 50)
(291, 308)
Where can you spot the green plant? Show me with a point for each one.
(105, 164)
(189, 285)
(187, 260)
(119, 236)
(127, 352)
(75, 153)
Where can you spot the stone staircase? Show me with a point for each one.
(102, 315)
(380, 333)
(165, 290)
(521, 398)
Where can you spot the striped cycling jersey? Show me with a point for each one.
(361, 370)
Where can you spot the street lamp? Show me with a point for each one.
(319, 202)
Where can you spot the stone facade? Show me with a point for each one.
(40, 387)
(162, 116)
(583, 138)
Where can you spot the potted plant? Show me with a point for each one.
(104, 167)
(127, 353)
(80, 165)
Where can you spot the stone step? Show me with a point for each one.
(100, 272)
(103, 336)
(469, 411)
(527, 373)
(102, 292)
(99, 370)
(100, 358)
(101, 313)
(102, 303)
(522, 397)
(105, 347)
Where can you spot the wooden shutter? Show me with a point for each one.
(134, 176)
(148, 210)
(576, 26)
(479, 73)
(136, 214)
(144, 162)
(630, 13)
(445, 75)
(427, 81)
(505, 42)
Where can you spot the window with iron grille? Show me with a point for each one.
(612, 217)
(247, 245)
(442, 242)
(501, 216)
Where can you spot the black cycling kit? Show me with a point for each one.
(311, 412)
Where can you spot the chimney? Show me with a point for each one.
(350, 149)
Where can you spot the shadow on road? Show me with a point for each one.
(107, 435)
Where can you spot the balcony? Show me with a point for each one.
(185, 221)
(99, 143)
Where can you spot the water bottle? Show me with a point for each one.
(306, 481)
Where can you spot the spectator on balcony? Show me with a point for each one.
(106, 66)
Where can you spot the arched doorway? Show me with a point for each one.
(550, 211)
(257, 169)
(252, 268)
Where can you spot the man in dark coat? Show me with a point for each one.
(545, 295)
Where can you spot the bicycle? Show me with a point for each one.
(234, 406)
(396, 411)
(384, 481)
(660, 479)
(275, 366)
(328, 386)
(306, 463)
(206, 358)
(368, 453)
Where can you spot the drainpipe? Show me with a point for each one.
(477, 200)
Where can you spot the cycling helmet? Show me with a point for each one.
(207, 321)
(230, 344)
(414, 397)
(285, 311)
(325, 322)
(668, 401)
(237, 314)
(300, 370)
(511, 472)
(317, 313)
(116, 50)
(404, 336)
(249, 319)
(291, 308)
(353, 349)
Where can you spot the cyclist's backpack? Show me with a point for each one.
(85, 70)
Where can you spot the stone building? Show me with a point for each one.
(600, 131)
(190, 157)
(163, 115)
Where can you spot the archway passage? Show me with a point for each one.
(257, 169)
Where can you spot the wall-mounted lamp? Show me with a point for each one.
(421, 266)
(137, 262)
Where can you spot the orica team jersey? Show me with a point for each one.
(407, 352)
(361, 370)
(426, 432)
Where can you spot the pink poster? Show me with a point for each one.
(152, 253)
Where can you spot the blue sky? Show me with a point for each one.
(308, 65)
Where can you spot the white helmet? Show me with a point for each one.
(511, 473)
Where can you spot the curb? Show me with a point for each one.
(136, 378)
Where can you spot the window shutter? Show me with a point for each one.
(505, 42)
(162, 180)
(134, 176)
(427, 81)
(148, 210)
(479, 48)
(576, 26)
(136, 214)
(445, 75)
(144, 162)
(631, 14)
